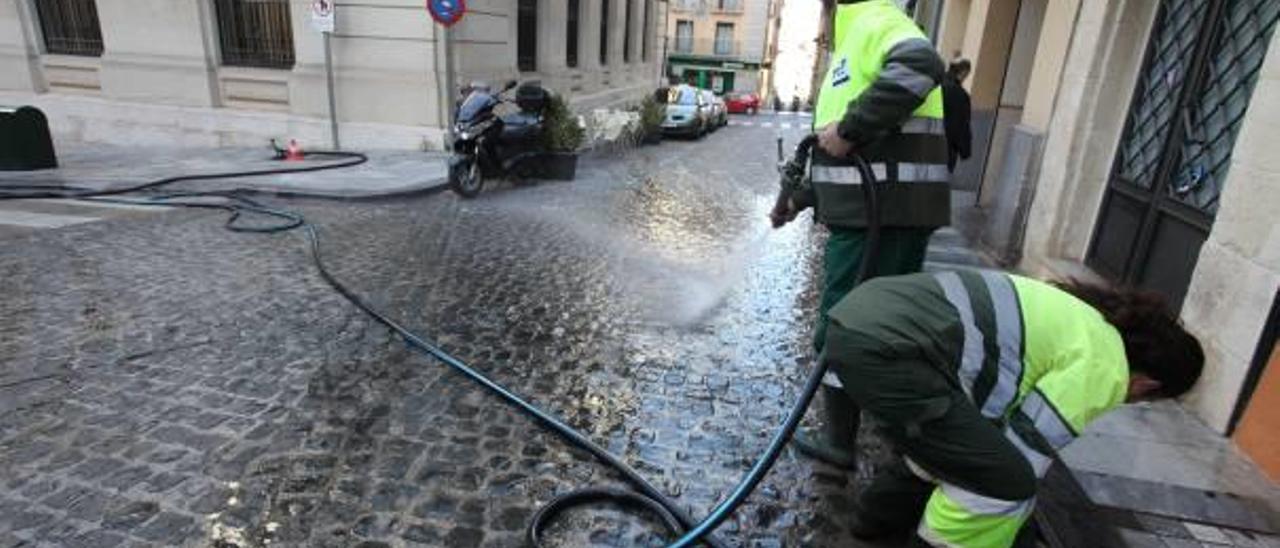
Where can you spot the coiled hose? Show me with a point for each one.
(646, 496)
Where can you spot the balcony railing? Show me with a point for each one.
(707, 6)
(707, 47)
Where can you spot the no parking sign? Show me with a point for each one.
(322, 15)
(447, 12)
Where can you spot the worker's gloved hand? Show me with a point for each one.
(832, 143)
(784, 211)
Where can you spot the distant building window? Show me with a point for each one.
(684, 36)
(626, 32)
(727, 5)
(571, 40)
(724, 39)
(604, 32)
(527, 35)
(70, 27)
(644, 32)
(255, 33)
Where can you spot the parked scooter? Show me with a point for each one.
(487, 145)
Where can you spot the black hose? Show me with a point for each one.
(780, 439)
(33, 191)
(648, 497)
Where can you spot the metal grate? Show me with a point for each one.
(70, 27)
(255, 33)
(1153, 111)
(527, 35)
(1215, 113)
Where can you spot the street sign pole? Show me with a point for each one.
(322, 16)
(333, 103)
(447, 13)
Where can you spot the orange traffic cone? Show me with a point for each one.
(294, 152)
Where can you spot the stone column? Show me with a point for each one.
(589, 46)
(155, 51)
(617, 31)
(19, 51)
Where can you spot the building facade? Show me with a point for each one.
(236, 72)
(1131, 141)
(722, 45)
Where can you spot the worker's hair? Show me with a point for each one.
(959, 66)
(1155, 342)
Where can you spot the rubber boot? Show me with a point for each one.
(836, 442)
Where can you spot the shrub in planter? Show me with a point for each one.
(562, 132)
(562, 136)
(651, 115)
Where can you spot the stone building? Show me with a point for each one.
(1132, 141)
(723, 45)
(236, 72)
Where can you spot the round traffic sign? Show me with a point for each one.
(447, 12)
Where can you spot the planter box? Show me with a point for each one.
(559, 166)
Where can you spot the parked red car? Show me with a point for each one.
(739, 103)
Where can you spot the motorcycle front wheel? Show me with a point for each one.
(466, 179)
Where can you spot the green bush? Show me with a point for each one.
(562, 133)
(651, 115)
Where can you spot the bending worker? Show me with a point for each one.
(978, 378)
(881, 100)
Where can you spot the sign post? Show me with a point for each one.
(447, 13)
(322, 21)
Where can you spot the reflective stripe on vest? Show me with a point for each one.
(907, 172)
(991, 365)
(1047, 420)
(1039, 462)
(956, 518)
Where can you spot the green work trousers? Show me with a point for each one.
(926, 416)
(901, 251)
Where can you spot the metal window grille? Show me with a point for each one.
(527, 35)
(255, 33)
(1154, 110)
(604, 32)
(1216, 112)
(70, 27)
(571, 40)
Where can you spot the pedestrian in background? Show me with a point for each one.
(957, 106)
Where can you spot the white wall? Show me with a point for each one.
(387, 66)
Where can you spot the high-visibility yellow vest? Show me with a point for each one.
(865, 33)
(1039, 360)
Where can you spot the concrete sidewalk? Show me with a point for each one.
(387, 173)
(1166, 480)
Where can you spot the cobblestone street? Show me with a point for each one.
(165, 382)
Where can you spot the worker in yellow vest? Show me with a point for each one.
(978, 378)
(881, 99)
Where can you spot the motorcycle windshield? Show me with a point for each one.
(476, 106)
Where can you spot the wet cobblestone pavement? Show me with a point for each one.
(165, 382)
